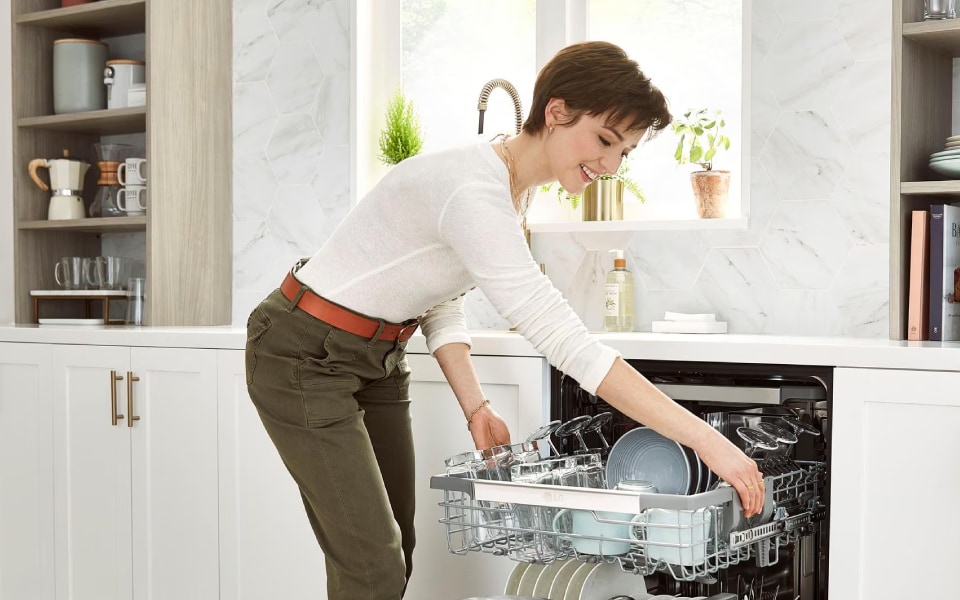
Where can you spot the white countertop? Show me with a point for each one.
(846, 352)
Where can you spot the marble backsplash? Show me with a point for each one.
(813, 261)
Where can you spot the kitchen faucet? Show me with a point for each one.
(508, 87)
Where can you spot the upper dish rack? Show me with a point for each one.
(688, 537)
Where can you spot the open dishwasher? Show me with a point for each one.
(695, 542)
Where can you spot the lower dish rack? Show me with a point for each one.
(687, 537)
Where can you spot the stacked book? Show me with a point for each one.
(933, 304)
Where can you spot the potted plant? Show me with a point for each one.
(401, 136)
(701, 137)
(602, 200)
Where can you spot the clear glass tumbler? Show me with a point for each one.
(939, 9)
(135, 293)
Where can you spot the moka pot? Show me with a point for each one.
(66, 182)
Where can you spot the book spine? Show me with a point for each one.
(936, 273)
(918, 304)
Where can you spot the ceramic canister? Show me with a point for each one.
(119, 76)
(78, 75)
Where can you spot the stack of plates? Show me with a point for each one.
(947, 161)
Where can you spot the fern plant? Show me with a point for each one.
(401, 136)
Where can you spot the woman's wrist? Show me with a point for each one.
(475, 411)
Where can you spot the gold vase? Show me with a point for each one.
(603, 200)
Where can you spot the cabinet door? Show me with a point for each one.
(894, 484)
(174, 472)
(26, 472)
(91, 474)
(267, 548)
(517, 387)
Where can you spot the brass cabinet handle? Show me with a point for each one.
(130, 379)
(114, 415)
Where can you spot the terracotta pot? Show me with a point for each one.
(711, 188)
(603, 200)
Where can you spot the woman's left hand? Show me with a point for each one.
(489, 429)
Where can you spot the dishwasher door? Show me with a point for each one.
(730, 396)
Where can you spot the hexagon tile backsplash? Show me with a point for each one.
(814, 260)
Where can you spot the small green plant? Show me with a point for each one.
(632, 186)
(401, 136)
(701, 137)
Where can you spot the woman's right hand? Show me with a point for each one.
(737, 469)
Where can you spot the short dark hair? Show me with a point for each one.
(597, 78)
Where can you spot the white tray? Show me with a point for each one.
(85, 322)
(118, 293)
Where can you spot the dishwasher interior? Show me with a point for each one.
(689, 544)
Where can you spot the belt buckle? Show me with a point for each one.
(411, 326)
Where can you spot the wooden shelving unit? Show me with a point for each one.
(923, 53)
(97, 122)
(101, 225)
(188, 130)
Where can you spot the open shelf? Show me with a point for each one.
(96, 122)
(105, 17)
(940, 35)
(99, 225)
(919, 188)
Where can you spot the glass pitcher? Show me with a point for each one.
(110, 157)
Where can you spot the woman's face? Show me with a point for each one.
(591, 147)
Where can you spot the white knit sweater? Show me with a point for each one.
(434, 227)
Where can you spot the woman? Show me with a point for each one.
(325, 352)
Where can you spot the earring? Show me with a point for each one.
(550, 129)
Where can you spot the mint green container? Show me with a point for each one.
(78, 66)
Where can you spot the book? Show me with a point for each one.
(944, 272)
(918, 301)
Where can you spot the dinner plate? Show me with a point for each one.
(529, 579)
(576, 582)
(558, 588)
(944, 158)
(542, 588)
(696, 470)
(513, 582)
(644, 454)
(945, 153)
(608, 581)
(948, 168)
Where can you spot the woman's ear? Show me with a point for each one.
(556, 112)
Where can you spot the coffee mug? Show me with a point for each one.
(606, 533)
(678, 537)
(132, 171)
(137, 194)
(70, 272)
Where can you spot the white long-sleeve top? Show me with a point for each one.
(434, 227)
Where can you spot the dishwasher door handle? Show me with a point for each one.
(721, 394)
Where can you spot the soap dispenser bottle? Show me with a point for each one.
(618, 303)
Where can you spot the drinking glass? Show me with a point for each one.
(135, 293)
(939, 9)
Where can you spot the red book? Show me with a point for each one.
(918, 302)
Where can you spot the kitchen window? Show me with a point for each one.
(442, 52)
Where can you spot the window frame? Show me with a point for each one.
(375, 71)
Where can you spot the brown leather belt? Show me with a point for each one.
(342, 318)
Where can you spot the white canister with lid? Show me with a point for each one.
(78, 75)
(119, 76)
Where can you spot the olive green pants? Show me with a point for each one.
(336, 406)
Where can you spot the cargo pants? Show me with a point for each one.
(336, 405)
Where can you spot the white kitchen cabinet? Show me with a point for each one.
(267, 547)
(894, 485)
(135, 471)
(517, 387)
(26, 473)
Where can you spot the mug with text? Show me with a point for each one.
(132, 199)
(133, 171)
